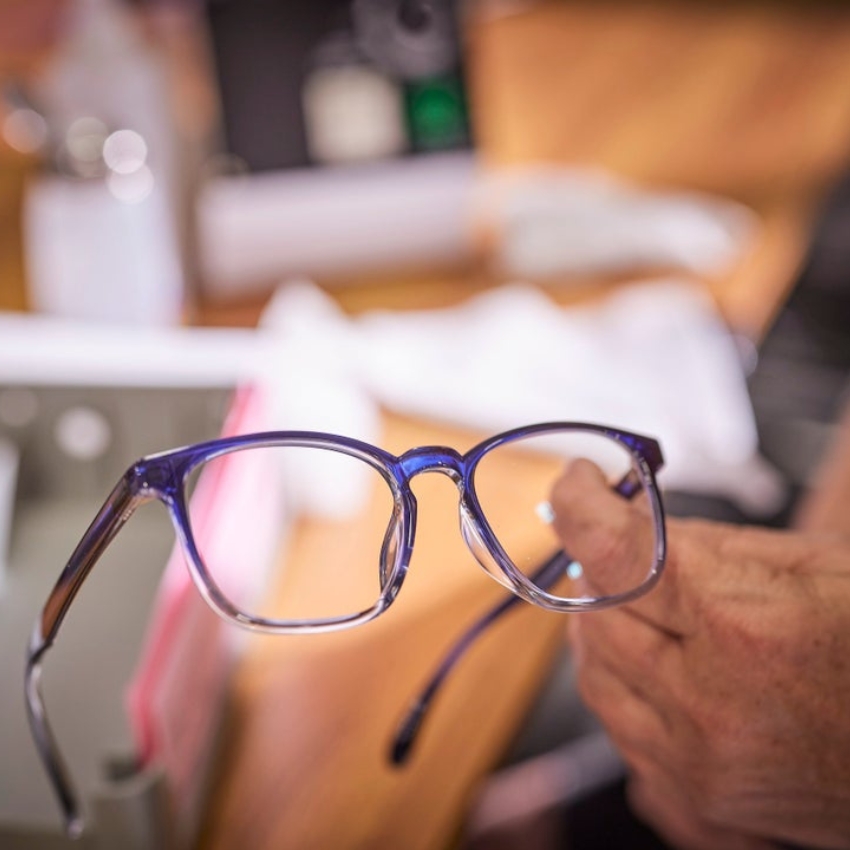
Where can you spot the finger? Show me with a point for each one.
(631, 720)
(614, 540)
(660, 802)
(630, 691)
(646, 658)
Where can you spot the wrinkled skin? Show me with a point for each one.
(727, 687)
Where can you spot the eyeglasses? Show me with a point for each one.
(507, 527)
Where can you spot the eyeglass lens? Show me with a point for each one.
(517, 509)
(513, 482)
(336, 496)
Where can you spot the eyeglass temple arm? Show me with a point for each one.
(408, 730)
(110, 518)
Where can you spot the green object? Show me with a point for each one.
(437, 113)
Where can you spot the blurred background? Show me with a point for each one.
(378, 185)
(204, 152)
(182, 142)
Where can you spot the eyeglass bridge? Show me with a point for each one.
(433, 459)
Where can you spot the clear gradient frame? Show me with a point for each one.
(163, 477)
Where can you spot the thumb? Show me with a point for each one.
(612, 539)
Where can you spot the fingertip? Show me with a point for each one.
(586, 471)
(579, 478)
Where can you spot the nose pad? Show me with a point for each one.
(469, 531)
(390, 548)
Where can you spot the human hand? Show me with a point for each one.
(727, 687)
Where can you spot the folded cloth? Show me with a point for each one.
(653, 358)
(547, 221)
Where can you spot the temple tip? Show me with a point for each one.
(406, 735)
(74, 826)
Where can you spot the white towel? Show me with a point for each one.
(653, 358)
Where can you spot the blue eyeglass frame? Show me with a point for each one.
(163, 477)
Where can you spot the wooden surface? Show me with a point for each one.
(14, 170)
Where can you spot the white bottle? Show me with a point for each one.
(100, 231)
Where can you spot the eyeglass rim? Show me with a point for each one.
(644, 450)
(647, 456)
